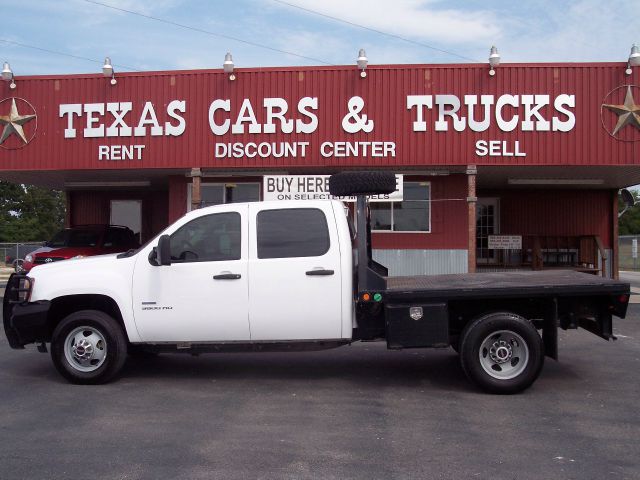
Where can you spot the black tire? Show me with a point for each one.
(511, 326)
(101, 324)
(454, 341)
(346, 184)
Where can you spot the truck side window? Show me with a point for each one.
(207, 239)
(294, 232)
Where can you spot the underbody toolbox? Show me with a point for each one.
(417, 325)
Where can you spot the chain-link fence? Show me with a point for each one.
(628, 252)
(10, 252)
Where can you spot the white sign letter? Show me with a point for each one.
(172, 108)
(570, 122)
(471, 101)
(419, 101)
(454, 102)
(119, 110)
(542, 125)
(246, 115)
(90, 131)
(70, 109)
(219, 105)
(304, 105)
(506, 126)
(148, 117)
(281, 107)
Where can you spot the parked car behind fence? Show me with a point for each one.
(10, 252)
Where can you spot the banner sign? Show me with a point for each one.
(315, 187)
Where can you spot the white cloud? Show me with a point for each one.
(585, 30)
(418, 19)
(320, 45)
(532, 31)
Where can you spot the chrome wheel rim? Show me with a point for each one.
(85, 349)
(504, 355)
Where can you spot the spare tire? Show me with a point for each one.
(346, 184)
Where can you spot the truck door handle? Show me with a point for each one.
(227, 276)
(320, 271)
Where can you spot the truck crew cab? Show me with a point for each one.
(271, 276)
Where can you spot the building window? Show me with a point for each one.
(219, 193)
(413, 214)
(299, 232)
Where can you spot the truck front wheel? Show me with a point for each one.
(501, 352)
(88, 347)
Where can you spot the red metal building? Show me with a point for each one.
(516, 170)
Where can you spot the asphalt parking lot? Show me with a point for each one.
(354, 412)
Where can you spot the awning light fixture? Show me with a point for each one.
(494, 60)
(7, 75)
(362, 62)
(228, 66)
(634, 59)
(108, 71)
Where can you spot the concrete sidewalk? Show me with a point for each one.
(634, 279)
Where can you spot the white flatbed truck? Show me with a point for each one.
(291, 275)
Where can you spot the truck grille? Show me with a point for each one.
(41, 260)
(10, 299)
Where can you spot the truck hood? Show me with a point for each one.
(66, 252)
(73, 265)
(100, 275)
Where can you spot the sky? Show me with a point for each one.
(41, 37)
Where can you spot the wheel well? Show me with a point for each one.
(61, 307)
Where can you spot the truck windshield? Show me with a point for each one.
(75, 238)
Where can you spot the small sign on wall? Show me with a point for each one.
(505, 242)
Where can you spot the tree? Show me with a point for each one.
(29, 213)
(629, 222)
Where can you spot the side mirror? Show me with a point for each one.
(164, 250)
(153, 257)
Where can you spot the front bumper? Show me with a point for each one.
(23, 322)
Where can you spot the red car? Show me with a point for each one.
(82, 241)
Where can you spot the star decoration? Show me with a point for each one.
(13, 123)
(628, 114)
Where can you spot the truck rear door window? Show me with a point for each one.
(295, 232)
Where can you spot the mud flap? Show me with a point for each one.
(601, 326)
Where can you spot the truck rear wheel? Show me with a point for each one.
(88, 347)
(501, 352)
(346, 184)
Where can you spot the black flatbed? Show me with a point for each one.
(503, 284)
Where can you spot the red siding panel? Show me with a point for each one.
(177, 197)
(384, 90)
(448, 219)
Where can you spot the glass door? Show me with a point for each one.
(487, 223)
